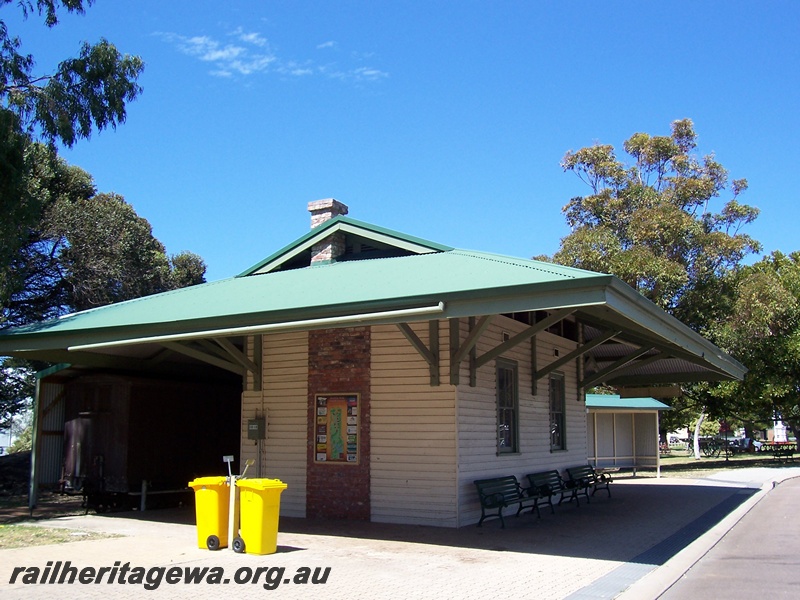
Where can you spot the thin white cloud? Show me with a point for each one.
(250, 38)
(250, 54)
(228, 59)
(368, 73)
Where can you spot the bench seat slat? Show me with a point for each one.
(547, 484)
(585, 477)
(499, 493)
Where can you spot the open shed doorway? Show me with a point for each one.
(132, 441)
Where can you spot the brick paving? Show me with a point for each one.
(641, 539)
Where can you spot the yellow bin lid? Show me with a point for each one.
(208, 481)
(261, 484)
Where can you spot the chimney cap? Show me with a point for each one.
(325, 210)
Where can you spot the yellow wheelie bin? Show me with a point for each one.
(212, 507)
(259, 509)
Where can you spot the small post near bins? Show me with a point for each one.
(234, 541)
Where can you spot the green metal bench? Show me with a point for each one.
(547, 484)
(585, 477)
(499, 493)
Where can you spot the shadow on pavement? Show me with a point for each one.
(641, 523)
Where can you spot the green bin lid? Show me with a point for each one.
(207, 481)
(261, 484)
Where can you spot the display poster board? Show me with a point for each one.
(336, 428)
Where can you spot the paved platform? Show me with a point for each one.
(635, 544)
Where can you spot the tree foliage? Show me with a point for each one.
(72, 250)
(670, 224)
(86, 250)
(16, 388)
(63, 247)
(650, 222)
(85, 92)
(763, 331)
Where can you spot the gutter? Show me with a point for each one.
(342, 321)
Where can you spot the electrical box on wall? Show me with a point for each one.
(257, 428)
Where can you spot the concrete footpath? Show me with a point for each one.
(635, 544)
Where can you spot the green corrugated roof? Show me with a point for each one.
(400, 281)
(416, 280)
(612, 401)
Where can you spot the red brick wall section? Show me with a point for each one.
(339, 362)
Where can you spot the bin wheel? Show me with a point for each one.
(212, 542)
(238, 545)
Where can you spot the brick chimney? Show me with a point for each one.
(332, 246)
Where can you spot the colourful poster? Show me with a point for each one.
(336, 428)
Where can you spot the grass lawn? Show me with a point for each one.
(22, 536)
(679, 463)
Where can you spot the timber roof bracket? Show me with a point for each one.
(579, 351)
(618, 365)
(460, 352)
(523, 336)
(468, 348)
(206, 357)
(430, 354)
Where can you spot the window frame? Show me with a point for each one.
(557, 382)
(507, 406)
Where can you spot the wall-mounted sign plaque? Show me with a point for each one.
(336, 428)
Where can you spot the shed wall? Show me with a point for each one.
(50, 451)
(646, 427)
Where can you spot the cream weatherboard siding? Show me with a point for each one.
(428, 443)
(284, 396)
(413, 432)
(477, 417)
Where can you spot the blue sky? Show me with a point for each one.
(442, 119)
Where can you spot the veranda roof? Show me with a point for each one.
(392, 278)
(614, 402)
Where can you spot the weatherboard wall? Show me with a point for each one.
(477, 416)
(413, 447)
(284, 401)
(426, 441)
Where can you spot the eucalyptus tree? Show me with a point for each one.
(651, 221)
(763, 331)
(667, 222)
(85, 92)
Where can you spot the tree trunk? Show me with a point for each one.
(697, 432)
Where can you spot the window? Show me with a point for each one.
(558, 439)
(507, 407)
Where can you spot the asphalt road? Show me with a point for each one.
(758, 558)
